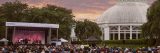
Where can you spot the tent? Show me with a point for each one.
(3, 40)
(63, 40)
(92, 38)
(55, 39)
(59, 41)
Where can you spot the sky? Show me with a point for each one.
(82, 9)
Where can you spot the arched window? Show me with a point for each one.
(136, 27)
(124, 28)
(113, 27)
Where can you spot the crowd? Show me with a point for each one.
(74, 49)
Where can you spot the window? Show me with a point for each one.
(116, 36)
(139, 35)
(113, 27)
(124, 32)
(134, 36)
(136, 28)
(127, 36)
(111, 36)
(122, 36)
(124, 28)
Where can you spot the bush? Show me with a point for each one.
(113, 42)
(139, 41)
(131, 42)
(87, 42)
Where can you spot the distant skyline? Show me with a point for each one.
(82, 9)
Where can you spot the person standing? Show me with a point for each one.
(5, 49)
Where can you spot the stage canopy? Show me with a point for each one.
(23, 24)
(29, 34)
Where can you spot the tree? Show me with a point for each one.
(61, 16)
(13, 11)
(19, 12)
(86, 29)
(2, 27)
(10, 11)
(150, 30)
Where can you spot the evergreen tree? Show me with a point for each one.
(150, 30)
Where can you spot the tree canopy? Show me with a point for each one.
(21, 12)
(86, 29)
(150, 30)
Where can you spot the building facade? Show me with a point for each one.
(124, 20)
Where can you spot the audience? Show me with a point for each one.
(74, 49)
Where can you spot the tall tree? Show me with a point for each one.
(61, 16)
(150, 30)
(19, 12)
(13, 11)
(86, 29)
(10, 11)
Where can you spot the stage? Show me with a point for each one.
(31, 33)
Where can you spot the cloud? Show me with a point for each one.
(82, 9)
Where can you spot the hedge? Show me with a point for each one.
(139, 41)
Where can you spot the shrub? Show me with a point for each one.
(139, 41)
(113, 42)
(135, 42)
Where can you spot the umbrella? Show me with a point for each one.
(3, 40)
(91, 39)
(63, 40)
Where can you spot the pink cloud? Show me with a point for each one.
(81, 8)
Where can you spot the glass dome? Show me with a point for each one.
(125, 11)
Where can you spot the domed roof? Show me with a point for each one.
(125, 11)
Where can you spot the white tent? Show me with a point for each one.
(3, 40)
(63, 40)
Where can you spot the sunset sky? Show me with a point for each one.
(82, 9)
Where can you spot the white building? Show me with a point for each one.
(123, 20)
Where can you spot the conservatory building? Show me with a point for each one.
(124, 20)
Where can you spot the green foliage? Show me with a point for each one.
(150, 30)
(117, 43)
(134, 42)
(140, 41)
(19, 12)
(86, 29)
(108, 42)
(12, 11)
(87, 42)
(127, 45)
(113, 42)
